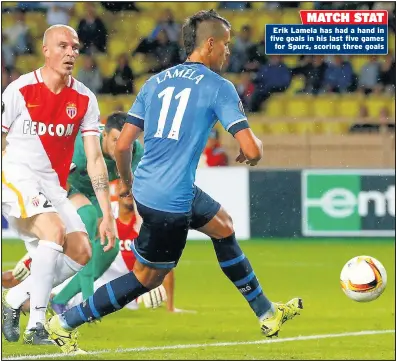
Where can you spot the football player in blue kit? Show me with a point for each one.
(177, 109)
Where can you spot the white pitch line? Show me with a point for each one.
(218, 344)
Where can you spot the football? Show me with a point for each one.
(363, 278)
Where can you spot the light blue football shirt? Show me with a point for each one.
(177, 109)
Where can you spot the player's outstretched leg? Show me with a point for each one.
(107, 299)
(239, 271)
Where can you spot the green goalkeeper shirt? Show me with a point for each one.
(78, 177)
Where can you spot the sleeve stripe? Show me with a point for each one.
(238, 126)
(90, 130)
(139, 122)
(3, 126)
(136, 116)
(237, 121)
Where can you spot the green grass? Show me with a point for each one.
(308, 269)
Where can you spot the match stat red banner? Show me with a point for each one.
(330, 32)
(346, 17)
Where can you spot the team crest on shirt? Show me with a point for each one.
(35, 201)
(71, 110)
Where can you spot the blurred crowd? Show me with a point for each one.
(261, 75)
(255, 75)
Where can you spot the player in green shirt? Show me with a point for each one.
(83, 197)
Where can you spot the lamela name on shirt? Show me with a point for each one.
(181, 73)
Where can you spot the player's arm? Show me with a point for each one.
(97, 171)
(169, 285)
(20, 272)
(123, 155)
(8, 280)
(229, 110)
(137, 154)
(130, 132)
(251, 147)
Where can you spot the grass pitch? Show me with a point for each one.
(224, 327)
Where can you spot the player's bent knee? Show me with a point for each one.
(85, 254)
(56, 232)
(228, 226)
(78, 248)
(220, 226)
(59, 234)
(149, 277)
(225, 226)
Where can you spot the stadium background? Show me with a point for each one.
(307, 122)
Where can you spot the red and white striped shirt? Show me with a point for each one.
(127, 234)
(42, 126)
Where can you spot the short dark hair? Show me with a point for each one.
(190, 26)
(115, 120)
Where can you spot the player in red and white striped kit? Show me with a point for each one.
(42, 112)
